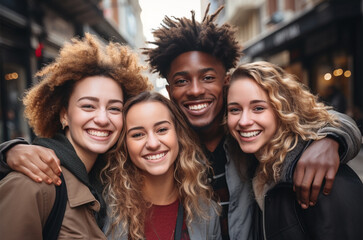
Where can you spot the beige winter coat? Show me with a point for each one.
(25, 206)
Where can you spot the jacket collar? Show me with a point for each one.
(66, 154)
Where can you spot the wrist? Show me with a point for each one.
(6, 146)
(339, 142)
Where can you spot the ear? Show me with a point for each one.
(168, 89)
(226, 79)
(63, 117)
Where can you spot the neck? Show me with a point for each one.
(88, 163)
(160, 190)
(87, 158)
(211, 137)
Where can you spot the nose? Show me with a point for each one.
(245, 119)
(196, 88)
(102, 118)
(152, 142)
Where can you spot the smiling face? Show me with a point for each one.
(196, 80)
(94, 116)
(151, 138)
(251, 119)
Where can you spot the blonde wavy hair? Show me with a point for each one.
(124, 181)
(77, 60)
(299, 113)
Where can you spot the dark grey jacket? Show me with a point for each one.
(336, 216)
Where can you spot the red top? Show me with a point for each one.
(161, 220)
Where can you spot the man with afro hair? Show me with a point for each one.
(195, 58)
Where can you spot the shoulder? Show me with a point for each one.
(210, 224)
(23, 185)
(17, 189)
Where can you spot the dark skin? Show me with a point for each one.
(196, 82)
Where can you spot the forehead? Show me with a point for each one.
(245, 88)
(145, 113)
(193, 61)
(98, 86)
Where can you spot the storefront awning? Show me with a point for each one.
(306, 22)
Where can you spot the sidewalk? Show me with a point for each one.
(357, 163)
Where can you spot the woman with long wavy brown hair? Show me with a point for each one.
(156, 173)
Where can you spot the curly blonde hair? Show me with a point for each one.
(77, 60)
(124, 181)
(298, 111)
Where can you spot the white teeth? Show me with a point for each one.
(198, 106)
(249, 134)
(156, 156)
(98, 133)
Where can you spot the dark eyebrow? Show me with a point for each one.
(258, 101)
(251, 102)
(116, 101)
(155, 125)
(134, 128)
(203, 70)
(97, 100)
(161, 122)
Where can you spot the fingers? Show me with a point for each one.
(308, 186)
(316, 186)
(36, 162)
(42, 169)
(50, 165)
(31, 175)
(329, 180)
(303, 189)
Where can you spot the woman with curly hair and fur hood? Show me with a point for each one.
(157, 176)
(75, 110)
(274, 118)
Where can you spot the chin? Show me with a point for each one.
(201, 126)
(248, 149)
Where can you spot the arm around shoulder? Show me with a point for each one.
(4, 147)
(347, 135)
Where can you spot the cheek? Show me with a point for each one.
(119, 124)
(273, 123)
(231, 121)
(176, 93)
(131, 148)
(174, 143)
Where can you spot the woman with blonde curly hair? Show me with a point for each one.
(274, 118)
(156, 177)
(75, 110)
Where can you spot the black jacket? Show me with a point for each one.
(336, 216)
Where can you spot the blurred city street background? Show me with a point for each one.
(319, 41)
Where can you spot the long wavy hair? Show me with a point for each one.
(298, 111)
(124, 181)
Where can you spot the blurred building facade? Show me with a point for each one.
(31, 33)
(320, 41)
